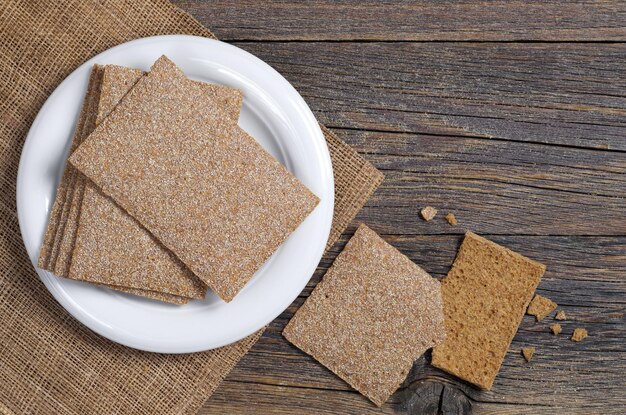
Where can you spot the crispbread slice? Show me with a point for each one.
(58, 221)
(372, 315)
(202, 186)
(114, 83)
(485, 295)
(110, 246)
(48, 249)
(153, 295)
(64, 243)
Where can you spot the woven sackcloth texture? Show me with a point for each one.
(50, 363)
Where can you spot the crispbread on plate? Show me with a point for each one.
(54, 230)
(373, 314)
(55, 253)
(112, 247)
(203, 187)
(485, 296)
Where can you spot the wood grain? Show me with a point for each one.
(415, 20)
(522, 141)
(565, 94)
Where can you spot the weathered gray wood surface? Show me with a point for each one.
(524, 142)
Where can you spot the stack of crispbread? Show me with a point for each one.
(164, 194)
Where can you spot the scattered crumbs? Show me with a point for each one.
(556, 328)
(452, 219)
(560, 315)
(528, 353)
(579, 334)
(540, 307)
(428, 213)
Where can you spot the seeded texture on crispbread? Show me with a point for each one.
(112, 247)
(203, 187)
(371, 316)
(67, 231)
(49, 247)
(153, 295)
(485, 296)
(60, 218)
(115, 81)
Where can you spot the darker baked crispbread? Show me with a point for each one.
(485, 295)
(373, 314)
(201, 186)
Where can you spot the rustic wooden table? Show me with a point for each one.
(512, 115)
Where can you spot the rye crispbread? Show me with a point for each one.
(485, 295)
(207, 190)
(371, 316)
(133, 257)
(54, 254)
(49, 247)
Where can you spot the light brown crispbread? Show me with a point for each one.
(55, 232)
(485, 295)
(64, 243)
(152, 295)
(110, 90)
(127, 254)
(49, 249)
(372, 315)
(540, 307)
(528, 353)
(203, 187)
(560, 315)
(556, 328)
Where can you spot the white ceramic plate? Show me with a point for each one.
(273, 113)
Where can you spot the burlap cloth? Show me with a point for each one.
(50, 363)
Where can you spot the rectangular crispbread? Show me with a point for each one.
(176, 162)
(110, 246)
(55, 254)
(48, 248)
(485, 296)
(371, 316)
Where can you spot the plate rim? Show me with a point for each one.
(61, 296)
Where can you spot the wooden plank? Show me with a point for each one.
(566, 94)
(424, 20)
(585, 276)
(493, 186)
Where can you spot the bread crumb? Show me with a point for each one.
(560, 315)
(579, 334)
(540, 307)
(556, 328)
(428, 213)
(451, 219)
(528, 353)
